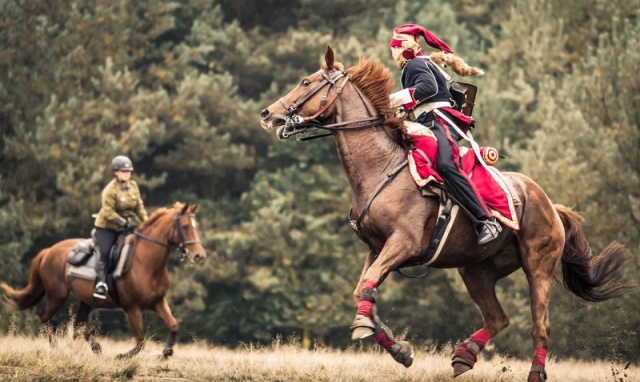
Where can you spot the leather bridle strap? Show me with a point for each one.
(327, 80)
(176, 225)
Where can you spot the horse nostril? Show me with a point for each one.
(264, 113)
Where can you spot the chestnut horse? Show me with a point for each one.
(392, 217)
(142, 287)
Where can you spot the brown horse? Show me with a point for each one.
(143, 285)
(396, 221)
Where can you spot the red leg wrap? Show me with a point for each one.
(383, 340)
(465, 353)
(365, 305)
(364, 308)
(540, 357)
(481, 337)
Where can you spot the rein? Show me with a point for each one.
(296, 124)
(181, 247)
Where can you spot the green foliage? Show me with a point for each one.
(179, 86)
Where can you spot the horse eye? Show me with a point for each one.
(306, 82)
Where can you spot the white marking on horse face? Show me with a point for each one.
(193, 222)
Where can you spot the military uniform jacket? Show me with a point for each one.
(429, 83)
(120, 201)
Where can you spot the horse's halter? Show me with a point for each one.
(297, 124)
(183, 243)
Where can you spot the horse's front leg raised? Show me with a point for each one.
(367, 323)
(163, 310)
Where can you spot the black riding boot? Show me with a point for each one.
(101, 289)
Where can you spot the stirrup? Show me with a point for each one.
(489, 231)
(101, 290)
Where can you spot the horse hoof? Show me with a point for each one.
(167, 352)
(537, 374)
(402, 352)
(361, 333)
(460, 368)
(464, 357)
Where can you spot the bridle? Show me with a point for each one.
(297, 124)
(183, 243)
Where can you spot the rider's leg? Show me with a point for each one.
(462, 189)
(104, 240)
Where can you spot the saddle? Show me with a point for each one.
(83, 258)
(495, 189)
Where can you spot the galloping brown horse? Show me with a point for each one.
(393, 218)
(143, 286)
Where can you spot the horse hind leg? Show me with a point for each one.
(480, 280)
(52, 306)
(82, 325)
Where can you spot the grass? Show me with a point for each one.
(25, 358)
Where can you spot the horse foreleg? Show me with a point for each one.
(134, 316)
(480, 280)
(163, 310)
(45, 314)
(367, 322)
(357, 293)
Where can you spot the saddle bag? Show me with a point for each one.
(463, 96)
(81, 253)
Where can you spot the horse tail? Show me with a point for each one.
(32, 293)
(597, 278)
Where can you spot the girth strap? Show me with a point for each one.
(356, 224)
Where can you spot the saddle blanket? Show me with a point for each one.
(87, 270)
(494, 188)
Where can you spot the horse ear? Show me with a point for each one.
(329, 57)
(194, 207)
(185, 208)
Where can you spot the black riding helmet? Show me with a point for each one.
(121, 163)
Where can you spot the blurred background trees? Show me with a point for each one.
(178, 86)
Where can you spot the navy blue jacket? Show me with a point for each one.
(429, 83)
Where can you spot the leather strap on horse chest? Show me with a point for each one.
(356, 224)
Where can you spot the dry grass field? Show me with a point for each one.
(25, 358)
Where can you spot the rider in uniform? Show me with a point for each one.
(120, 201)
(426, 95)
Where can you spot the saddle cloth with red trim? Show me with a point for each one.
(494, 188)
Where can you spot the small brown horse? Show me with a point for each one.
(142, 287)
(392, 217)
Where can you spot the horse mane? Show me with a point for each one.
(159, 213)
(376, 83)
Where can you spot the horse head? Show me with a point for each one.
(175, 228)
(318, 101)
(309, 104)
(188, 241)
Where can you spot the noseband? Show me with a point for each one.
(182, 246)
(297, 124)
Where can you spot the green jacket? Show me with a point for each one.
(120, 201)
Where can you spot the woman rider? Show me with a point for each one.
(120, 201)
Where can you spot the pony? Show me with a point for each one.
(142, 286)
(392, 217)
